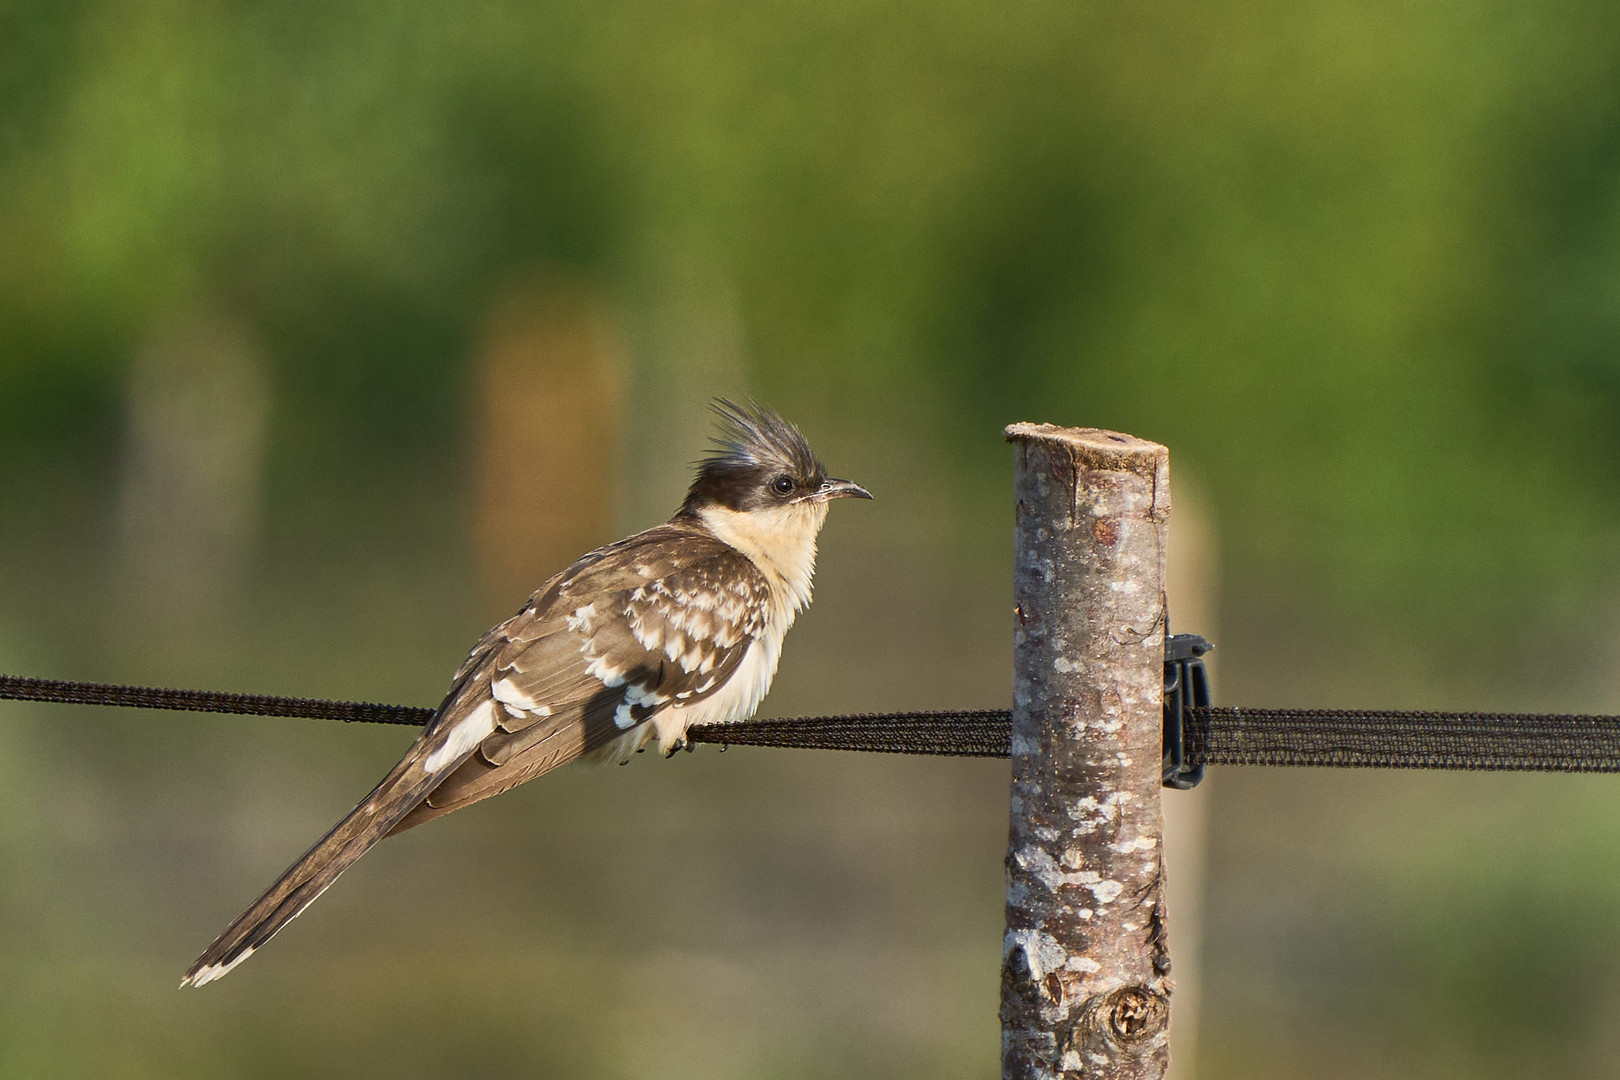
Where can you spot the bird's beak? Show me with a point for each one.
(839, 489)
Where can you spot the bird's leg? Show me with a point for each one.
(678, 745)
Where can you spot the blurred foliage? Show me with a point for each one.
(1358, 265)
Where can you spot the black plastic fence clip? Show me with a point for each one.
(1186, 686)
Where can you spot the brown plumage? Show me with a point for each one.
(680, 624)
(651, 638)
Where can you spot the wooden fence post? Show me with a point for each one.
(1084, 979)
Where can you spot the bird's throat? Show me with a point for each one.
(780, 541)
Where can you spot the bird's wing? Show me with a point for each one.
(626, 629)
(664, 624)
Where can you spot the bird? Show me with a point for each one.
(631, 645)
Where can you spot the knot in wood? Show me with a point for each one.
(1136, 1013)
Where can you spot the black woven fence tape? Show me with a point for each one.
(969, 733)
(1373, 739)
(213, 701)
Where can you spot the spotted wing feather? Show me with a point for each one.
(659, 620)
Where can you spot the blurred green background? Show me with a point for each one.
(327, 331)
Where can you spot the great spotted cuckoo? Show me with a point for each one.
(681, 624)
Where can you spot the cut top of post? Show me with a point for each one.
(1102, 450)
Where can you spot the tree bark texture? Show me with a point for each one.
(1085, 973)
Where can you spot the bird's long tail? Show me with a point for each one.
(406, 785)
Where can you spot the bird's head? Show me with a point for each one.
(762, 464)
(763, 492)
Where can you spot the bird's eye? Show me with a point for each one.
(782, 485)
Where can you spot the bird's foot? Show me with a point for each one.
(677, 746)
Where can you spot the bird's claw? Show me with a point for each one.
(677, 746)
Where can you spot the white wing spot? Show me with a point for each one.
(635, 697)
(581, 617)
(674, 645)
(506, 691)
(473, 729)
(621, 716)
(638, 695)
(647, 635)
(215, 971)
(605, 673)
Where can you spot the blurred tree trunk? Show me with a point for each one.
(547, 432)
(197, 408)
(1189, 580)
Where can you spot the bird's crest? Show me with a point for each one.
(754, 437)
